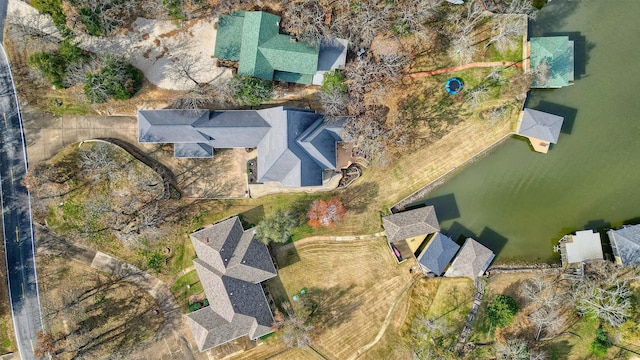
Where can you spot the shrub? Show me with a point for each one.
(601, 343)
(53, 8)
(502, 310)
(70, 52)
(334, 81)
(51, 65)
(325, 213)
(251, 91)
(276, 228)
(174, 7)
(155, 261)
(90, 18)
(117, 79)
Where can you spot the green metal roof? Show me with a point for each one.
(229, 37)
(557, 52)
(253, 39)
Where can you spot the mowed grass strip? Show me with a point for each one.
(354, 283)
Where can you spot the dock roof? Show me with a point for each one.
(438, 253)
(556, 54)
(541, 125)
(585, 245)
(626, 244)
(472, 260)
(411, 223)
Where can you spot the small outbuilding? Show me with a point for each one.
(541, 128)
(582, 247)
(551, 61)
(472, 261)
(625, 243)
(407, 230)
(437, 254)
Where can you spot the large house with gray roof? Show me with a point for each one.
(254, 40)
(625, 243)
(231, 264)
(295, 146)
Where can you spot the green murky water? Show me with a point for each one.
(519, 202)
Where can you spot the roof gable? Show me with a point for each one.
(626, 242)
(558, 53)
(472, 260)
(438, 253)
(231, 264)
(541, 125)
(294, 145)
(261, 49)
(407, 224)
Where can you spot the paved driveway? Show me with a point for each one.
(47, 135)
(224, 176)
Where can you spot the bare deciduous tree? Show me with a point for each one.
(295, 330)
(306, 19)
(507, 32)
(611, 302)
(477, 96)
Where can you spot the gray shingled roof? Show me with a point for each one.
(192, 150)
(407, 224)
(231, 264)
(472, 260)
(541, 125)
(332, 55)
(294, 145)
(626, 244)
(438, 253)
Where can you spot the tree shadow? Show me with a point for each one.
(252, 217)
(285, 255)
(445, 205)
(358, 197)
(331, 306)
(554, 14)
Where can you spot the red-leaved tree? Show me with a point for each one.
(325, 213)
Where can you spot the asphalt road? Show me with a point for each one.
(16, 219)
(3, 15)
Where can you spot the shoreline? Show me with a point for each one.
(425, 190)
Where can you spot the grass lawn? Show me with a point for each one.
(352, 302)
(92, 314)
(440, 298)
(181, 292)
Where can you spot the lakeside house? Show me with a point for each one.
(551, 60)
(472, 261)
(583, 246)
(407, 230)
(625, 243)
(254, 40)
(437, 254)
(296, 147)
(231, 265)
(541, 128)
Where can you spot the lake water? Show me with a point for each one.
(518, 202)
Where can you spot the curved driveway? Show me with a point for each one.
(16, 219)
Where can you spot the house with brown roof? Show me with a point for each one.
(407, 230)
(472, 261)
(231, 265)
